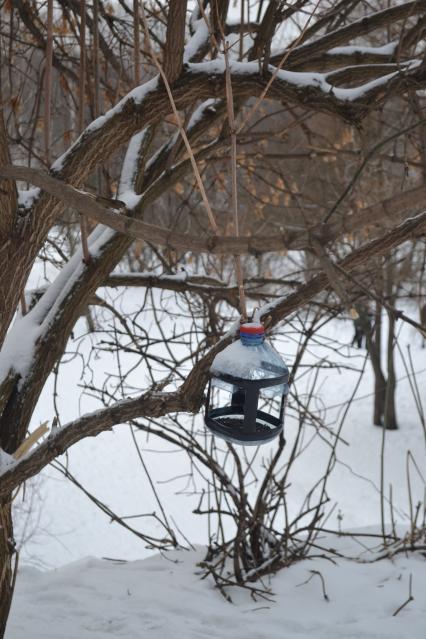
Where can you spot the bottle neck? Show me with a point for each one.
(252, 340)
(252, 334)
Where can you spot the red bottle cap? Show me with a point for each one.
(252, 328)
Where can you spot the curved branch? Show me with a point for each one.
(103, 211)
(412, 228)
(149, 103)
(150, 404)
(189, 396)
(175, 40)
(306, 52)
(280, 309)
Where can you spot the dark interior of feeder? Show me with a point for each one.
(247, 416)
(237, 423)
(236, 399)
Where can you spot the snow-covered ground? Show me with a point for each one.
(153, 596)
(69, 526)
(164, 598)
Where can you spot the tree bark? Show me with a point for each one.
(374, 350)
(379, 380)
(7, 551)
(175, 40)
(389, 417)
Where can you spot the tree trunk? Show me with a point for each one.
(379, 380)
(389, 418)
(7, 569)
(374, 351)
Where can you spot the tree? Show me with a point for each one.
(174, 122)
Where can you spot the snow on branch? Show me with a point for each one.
(130, 169)
(136, 97)
(205, 81)
(146, 104)
(341, 36)
(197, 42)
(292, 84)
(385, 50)
(151, 404)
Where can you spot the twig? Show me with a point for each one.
(319, 574)
(410, 596)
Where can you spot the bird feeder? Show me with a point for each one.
(247, 390)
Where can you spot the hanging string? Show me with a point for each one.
(136, 43)
(81, 99)
(233, 135)
(48, 81)
(277, 69)
(82, 69)
(234, 131)
(96, 78)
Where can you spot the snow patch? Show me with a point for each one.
(6, 461)
(18, 348)
(27, 198)
(200, 111)
(130, 199)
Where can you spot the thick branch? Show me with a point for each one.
(175, 40)
(102, 210)
(149, 104)
(282, 308)
(412, 228)
(7, 188)
(189, 396)
(306, 52)
(150, 404)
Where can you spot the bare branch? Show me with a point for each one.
(7, 188)
(304, 52)
(190, 394)
(102, 210)
(150, 404)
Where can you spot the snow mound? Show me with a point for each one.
(164, 598)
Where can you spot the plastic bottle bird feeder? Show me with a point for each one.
(247, 390)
